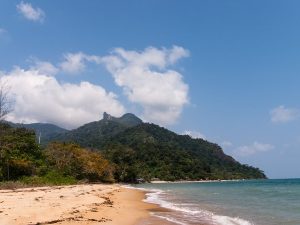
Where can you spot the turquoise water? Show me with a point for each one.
(258, 202)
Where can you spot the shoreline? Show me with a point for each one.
(87, 204)
(194, 181)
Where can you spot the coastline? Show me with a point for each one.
(87, 204)
(193, 181)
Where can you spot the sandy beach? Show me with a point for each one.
(77, 204)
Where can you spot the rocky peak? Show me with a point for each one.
(106, 116)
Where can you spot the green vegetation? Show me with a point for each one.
(19, 153)
(50, 178)
(148, 151)
(72, 160)
(44, 131)
(22, 160)
(93, 135)
(113, 150)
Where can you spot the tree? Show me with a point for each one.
(72, 160)
(6, 104)
(19, 152)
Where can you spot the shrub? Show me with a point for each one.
(72, 160)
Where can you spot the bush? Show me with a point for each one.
(51, 178)
(72, 160)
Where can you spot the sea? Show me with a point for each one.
(247, 202)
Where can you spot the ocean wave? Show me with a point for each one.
(141, 189)
(155, 196)
(226, 220)
(170, 219)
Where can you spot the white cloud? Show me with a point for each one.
(194, 134)
(44, 67)
(73, 63)
(39, 97)
(76, 62)
(176, 53)
(252, 149)
(226, 144)
(281, 114)
(30, 13)
(148, 81)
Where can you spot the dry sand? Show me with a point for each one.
(78, 204)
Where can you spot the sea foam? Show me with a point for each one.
(226, 220)
(156, 196)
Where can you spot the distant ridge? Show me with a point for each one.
(148, 151)
(95, 134)
(89, 132)
(45, 131)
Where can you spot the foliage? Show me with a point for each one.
(115, 149)
(19, 153)
(124, 161)
(12, 185)
(50, 178)
(95, 134)
(59, 163)
(148, 151)
(44, 131)
(72, 160)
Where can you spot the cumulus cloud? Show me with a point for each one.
(252, 149)
(44, 67)
(281, 114)
(176, 53)
(31, 13)
(147, 80)
(39, 97)
(194, 134)
(74, 63)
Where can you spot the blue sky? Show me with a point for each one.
(227, 71)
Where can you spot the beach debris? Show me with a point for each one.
(76, 219)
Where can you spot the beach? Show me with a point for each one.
(198, 203)
(86, 204)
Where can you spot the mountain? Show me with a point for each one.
(95, 134)
(148, 151)
(44, 131)
(128, 119)
(143, 150)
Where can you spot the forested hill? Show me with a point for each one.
(148, 151)
(90, 134)
(143, 150)
(44, 131)
(95, 134)
(46, 128)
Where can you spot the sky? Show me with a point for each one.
(225, 71)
